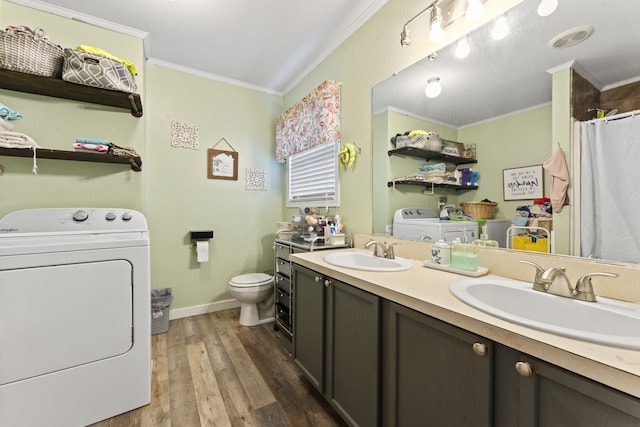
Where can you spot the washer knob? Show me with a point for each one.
(126, 216)
(80, 216)
(110, 216)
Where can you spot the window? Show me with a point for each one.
(312, 178)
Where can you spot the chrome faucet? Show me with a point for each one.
(537, 285)
(381, 250)
(551, 274)
(584, 289)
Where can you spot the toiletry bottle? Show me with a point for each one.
(441, 253)
(484, 239)
(464, 255)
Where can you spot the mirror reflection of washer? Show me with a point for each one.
(74, 315)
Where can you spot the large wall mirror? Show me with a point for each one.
(500, 98)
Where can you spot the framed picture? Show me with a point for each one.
(222, 164)
(523, 183)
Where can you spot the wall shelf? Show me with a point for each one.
(458, 188)
(430, 155)
(47, 153)
(59, 88)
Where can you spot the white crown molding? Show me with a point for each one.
(336, 41)
(81, 17)
(210, 76)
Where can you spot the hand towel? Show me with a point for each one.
(556, 165)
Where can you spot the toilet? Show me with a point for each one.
(256, 296)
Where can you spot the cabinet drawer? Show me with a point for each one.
(283, 283)
(282, 251)
(282, 298)
(283, 267)
(283, 314)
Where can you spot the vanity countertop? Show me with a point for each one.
(427, 291)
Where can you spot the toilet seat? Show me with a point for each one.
(251, 280)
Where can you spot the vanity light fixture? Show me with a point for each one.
(474, 9)
(433, 88)
(500, 28)
(440, 18)
(462, 50)
(547, 7)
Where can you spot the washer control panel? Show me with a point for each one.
(90, 220)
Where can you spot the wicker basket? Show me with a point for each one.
(480, 210)
(30, 53)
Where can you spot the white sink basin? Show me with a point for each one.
(607, 321)
(366, 261)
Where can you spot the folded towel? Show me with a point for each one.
(5, 125)
(7, 113)
(556, 165)
(92, 141)
(96, 148)
(10, 139)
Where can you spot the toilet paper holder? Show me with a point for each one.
(200, 235)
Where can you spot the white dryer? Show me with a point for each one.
(74, 316)
(424, 224)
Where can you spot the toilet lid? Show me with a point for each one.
(251, 279)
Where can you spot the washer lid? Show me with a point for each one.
(251, 279)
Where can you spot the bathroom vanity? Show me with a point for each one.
(397, 349)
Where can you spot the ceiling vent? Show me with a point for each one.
(571, 37)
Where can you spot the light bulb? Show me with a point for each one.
(433, 88)
(436, 34)
(500, 28)
(474, 9)
(463, 49)
(547, 7)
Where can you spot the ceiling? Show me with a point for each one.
(269, 45)
(500, 77)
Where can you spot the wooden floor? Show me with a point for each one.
(208, 370)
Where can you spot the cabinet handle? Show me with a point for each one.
(327, 283)
(524, 369)
(479, 349)
(318, 279)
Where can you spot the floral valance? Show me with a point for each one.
(312, 121)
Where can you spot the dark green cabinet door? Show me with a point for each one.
(434, 374)
(309, 324)
(353, 353)
(549, 396)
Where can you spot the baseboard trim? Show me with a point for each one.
(195, 310)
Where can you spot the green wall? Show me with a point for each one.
(55, 123)
(181, 198)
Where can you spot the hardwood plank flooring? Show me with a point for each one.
(209, 370)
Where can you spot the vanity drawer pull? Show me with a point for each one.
(524, 369)
(479, 349)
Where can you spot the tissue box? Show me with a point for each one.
(336, 239)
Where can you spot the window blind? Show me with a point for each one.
(313, 177)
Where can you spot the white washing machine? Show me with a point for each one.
(424, 224)
(74, 316)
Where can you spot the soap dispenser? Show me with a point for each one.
(441, 253)
(484, 239)
(464, 255)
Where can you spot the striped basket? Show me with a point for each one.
(30, 53)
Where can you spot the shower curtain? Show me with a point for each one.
(610, 189)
